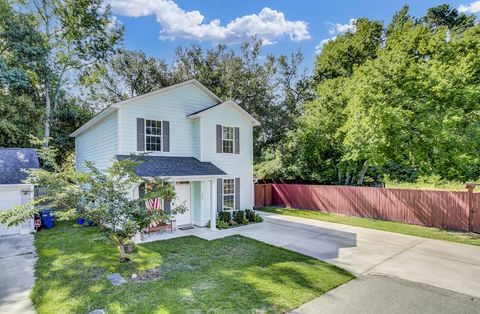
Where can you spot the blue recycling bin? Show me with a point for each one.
(47, 218)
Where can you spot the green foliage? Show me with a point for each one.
(21, 55)
(239, 217)
(250, 214)
(404, 103)
(127, 74)
(102, 195)
(44, 45)
(220, 224)
(225, 216)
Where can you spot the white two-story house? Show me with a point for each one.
(203, 144)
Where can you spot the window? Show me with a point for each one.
(227, 139)
(228, 194)
(153, 135)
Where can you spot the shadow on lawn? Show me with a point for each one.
(229, 275)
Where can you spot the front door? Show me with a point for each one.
(183, 197)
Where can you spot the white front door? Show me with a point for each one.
(183, 197)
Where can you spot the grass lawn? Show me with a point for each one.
(398, 227)
(189, 274)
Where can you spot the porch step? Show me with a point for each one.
(185, 227)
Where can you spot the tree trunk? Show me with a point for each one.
(48, 107)
(347, 177)
(122, 250)
(361, 175)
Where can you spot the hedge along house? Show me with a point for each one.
(13, 191)
(205, 145)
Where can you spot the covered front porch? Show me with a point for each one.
(195, 186)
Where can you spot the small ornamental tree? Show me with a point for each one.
(104, 196)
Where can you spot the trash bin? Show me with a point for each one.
(47, 218)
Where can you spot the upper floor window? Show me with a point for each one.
(153, 135)
(227, 139)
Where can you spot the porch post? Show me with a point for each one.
(213, 205)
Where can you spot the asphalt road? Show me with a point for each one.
(380, 294)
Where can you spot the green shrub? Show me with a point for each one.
(239, 216)
(258, 218)
(225, 216)
(250, 215)
(220, 224)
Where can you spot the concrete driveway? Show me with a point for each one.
(363, 251)
(17, 260)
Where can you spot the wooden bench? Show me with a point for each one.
(161, 227)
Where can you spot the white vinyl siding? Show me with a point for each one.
(235, 165)
(172, 106)
(98, 144)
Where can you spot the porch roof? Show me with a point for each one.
(164, 166)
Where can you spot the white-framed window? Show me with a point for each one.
(228, 194)
(228, 135)
(153, 135)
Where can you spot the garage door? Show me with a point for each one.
(10, 197)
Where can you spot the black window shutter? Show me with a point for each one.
(237, 140)
(166, 205)
(219, 138)
(237, 193)
(141, 190)
(219, 195)
(140, 134)
(166, 136)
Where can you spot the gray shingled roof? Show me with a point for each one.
(174, 166)
(13, 162)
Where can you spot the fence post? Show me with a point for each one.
(470, 188)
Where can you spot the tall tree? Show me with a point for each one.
(409, 110)
(21, 56)
(339, 57)
(444, 15)
(271, 88)
(75, 34)
(127, 74)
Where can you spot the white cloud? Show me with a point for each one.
(335, 30)
(269, 25)
(319, 47)
(342, 28)
(473, 7)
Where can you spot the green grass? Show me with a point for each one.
(443, 186)
(398, 227)
(229, 275)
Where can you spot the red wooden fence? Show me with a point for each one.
(443, 209)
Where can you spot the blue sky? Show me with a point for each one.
(158, 26)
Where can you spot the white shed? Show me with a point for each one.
(13, 163)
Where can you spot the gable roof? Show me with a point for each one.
(231, 103)
(114, 107)
(13, 162)
(164, 166)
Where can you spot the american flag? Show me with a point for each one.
(154, 203)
